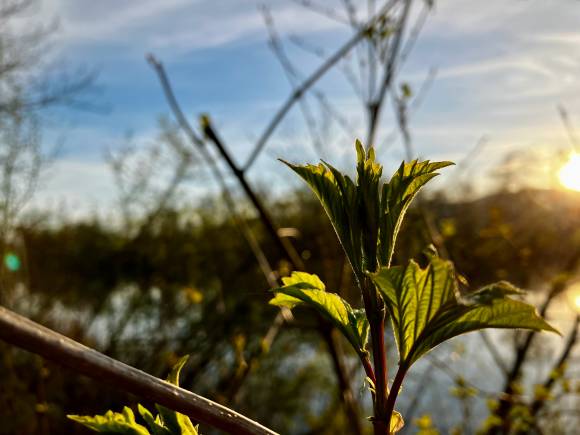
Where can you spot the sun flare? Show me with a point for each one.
(569, 174)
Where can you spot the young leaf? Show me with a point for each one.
(366, 216)
(426, 309)
(396, 197)
(112, 423)
(397, 422)
(304, 288)
(154, 423)
(177, 423)
(337, 194)
(168, 422)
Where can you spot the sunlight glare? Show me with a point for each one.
(569, 174)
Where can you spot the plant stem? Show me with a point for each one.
(381, 387)
(375, 311)
(395, 388)
(368, 368)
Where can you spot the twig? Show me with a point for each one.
(568, 127)
(28, 335)
(292, 76)
(418, 395)
(413, 106)
(376, 104)
(299, 91)
(209, 132)
(537, 404)
(329, 13)
(493, 352)
(453, 375)
(198, 142)
(505, 405)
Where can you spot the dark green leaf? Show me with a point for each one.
(304, 288)
(426, 309)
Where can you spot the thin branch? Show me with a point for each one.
(320, 53)
(414, 34)
(209, 132)
(321, 71)
(329, 13)
(28, 335)
(453, 375)
(292, 75)
(198, 142)
(355, 25)
(558, 286)
(538, 404)
(569, 129)
(497, 359)
(413, 106)
(376, 104)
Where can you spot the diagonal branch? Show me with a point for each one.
(284, 244)
(538, 404)
(316, 75)
(28, 335)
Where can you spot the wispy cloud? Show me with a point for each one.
(502, 68)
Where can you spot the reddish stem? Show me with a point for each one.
(395, 388)
(368, 369)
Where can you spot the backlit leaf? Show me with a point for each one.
(112, 423)
(177, 423)
(426, 309)
(396, 197)
(397, 422)
(367, 215)
(304, 288)
(154, 423)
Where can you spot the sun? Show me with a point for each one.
(569, 174)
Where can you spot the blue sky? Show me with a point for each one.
(502, 67)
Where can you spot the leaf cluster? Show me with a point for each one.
(423, 303)
(166, 422)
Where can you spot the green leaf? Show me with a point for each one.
(396, 197)
(337, 194)
(168, 422)
(112, 423)
(154, 423)
(426, 309)
(365, 215)
(175, 422)
(304, 288)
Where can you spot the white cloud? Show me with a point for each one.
(76, 188)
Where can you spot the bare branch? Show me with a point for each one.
(28, 335)
(569, 128)
(329, 13)
(313, 78)
(293, 76)
(538, 404)
(376, 104)
(492, 349)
